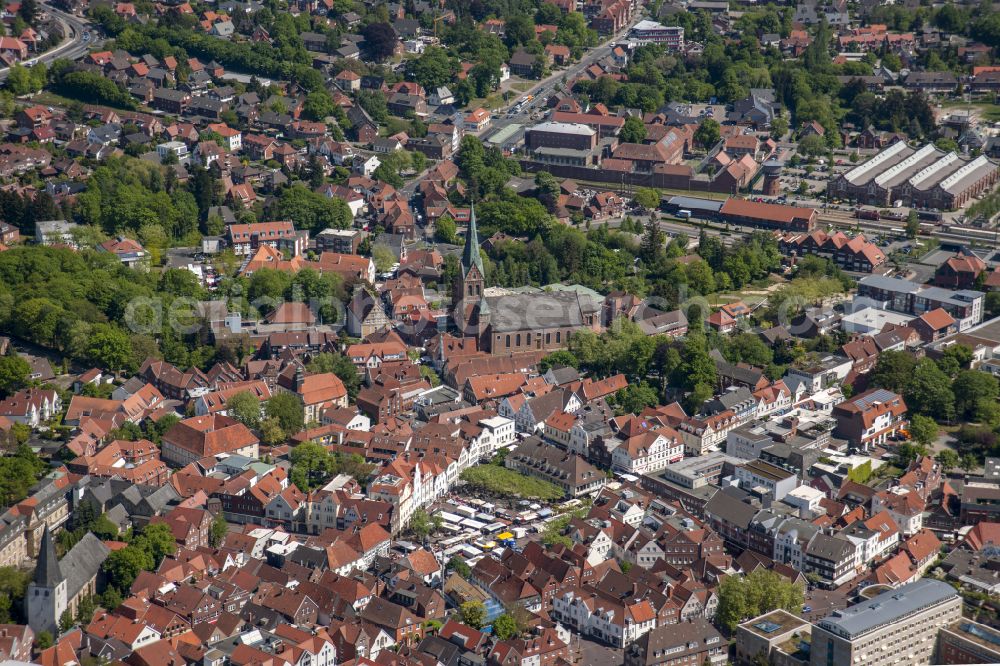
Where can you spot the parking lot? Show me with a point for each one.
(822, 602)
(586, 652)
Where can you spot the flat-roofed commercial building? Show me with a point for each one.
(897, 627)
(762, 478)
(560, 135)
(770, 635)
(898, 295)
(566, 156)
(925, 177)
(968, 642)
(507, 139)
(651, 32)
(699, 471)
(980, 501)
(703, 208)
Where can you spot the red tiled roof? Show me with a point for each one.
(938, 319)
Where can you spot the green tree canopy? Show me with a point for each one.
(311, 465)
(158, 540)
(445, 230)
(14, 372)
(948, 459)
(648, 198)
(459, 566)
(971, 387)
(929, 391)
(286, 408)
(218, 531)
(708, 133)
(311, 210)
(245, 408)
(505, 627)
(743, 597)
(923, 429)
(633, 131)
(472, 614)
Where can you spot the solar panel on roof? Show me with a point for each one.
(878, 395)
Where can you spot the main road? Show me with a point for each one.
(542, 88)
(76, 40)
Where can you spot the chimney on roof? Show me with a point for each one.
(299, 377)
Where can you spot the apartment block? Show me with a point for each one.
(897, 627)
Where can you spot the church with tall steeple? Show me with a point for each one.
(58, 586)
(467, 300)
(46, 596)
(508, 321)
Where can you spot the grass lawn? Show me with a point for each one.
(749, 294)
(494, 101)
(523, 86)
(505, 482)
(987, 110)
(924, 246)
(47, 98)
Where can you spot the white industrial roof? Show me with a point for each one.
(564, 128)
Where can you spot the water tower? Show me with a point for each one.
(772, 178)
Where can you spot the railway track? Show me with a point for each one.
(946, 232)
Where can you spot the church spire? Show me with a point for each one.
(47, 571)
(471, 256)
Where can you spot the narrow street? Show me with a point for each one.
(547, 85)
